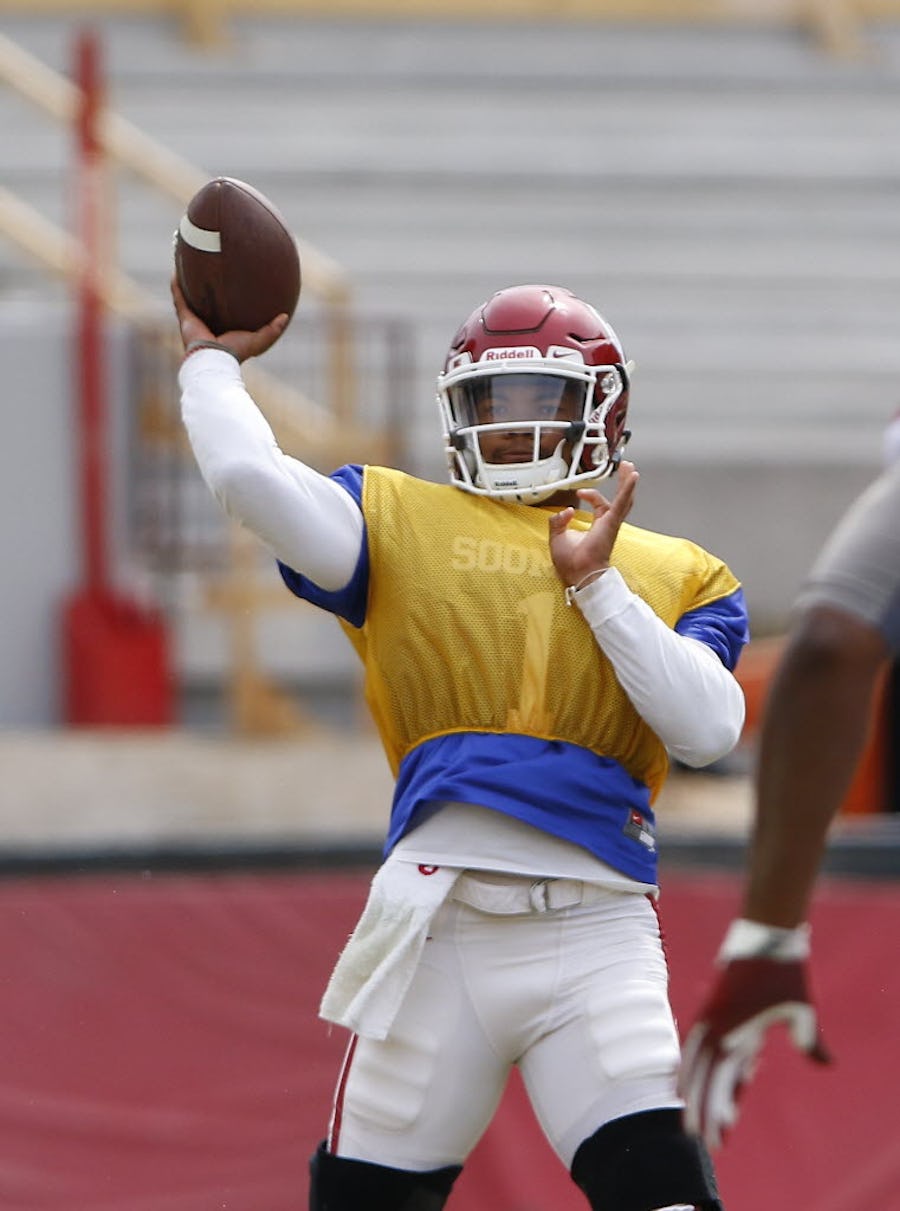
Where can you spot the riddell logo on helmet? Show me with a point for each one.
(514, 353)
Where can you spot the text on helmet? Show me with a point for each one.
(515, 353)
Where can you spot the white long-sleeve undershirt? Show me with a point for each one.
(306, 519)
(677, 684)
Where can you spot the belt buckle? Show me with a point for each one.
(538, 896)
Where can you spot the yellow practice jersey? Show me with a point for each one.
(466, 628)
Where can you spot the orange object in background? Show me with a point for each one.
(758, 662)
(868, 791)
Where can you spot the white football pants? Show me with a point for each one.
(576, 997)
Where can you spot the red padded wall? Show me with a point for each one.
(160, 1050)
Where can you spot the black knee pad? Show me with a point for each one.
(338, 1184)
(645, 1161)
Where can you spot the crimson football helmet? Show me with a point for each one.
(533, 396)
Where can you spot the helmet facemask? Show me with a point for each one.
(527, 426)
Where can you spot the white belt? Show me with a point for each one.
(508, 894)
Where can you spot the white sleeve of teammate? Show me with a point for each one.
(677, 684)
(306, 519)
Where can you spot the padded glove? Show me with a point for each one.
(763, 980)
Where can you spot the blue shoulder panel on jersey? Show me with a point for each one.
(349, 602)
(722, 625)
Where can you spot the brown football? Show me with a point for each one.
(235, 257)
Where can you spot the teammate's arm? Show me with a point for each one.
(813, 731)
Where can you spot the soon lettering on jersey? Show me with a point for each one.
(472, 554)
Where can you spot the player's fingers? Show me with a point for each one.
(695, 1063)
(709, 1085)
(559, 521)
(181, 307)
(690, 1051)
(624, 497)
(804, 1029)
(727, 1079)
(703, 1119)
(693, 1108)
(190, 326)
(594, 500)
(819, 1052)
(245, 344)
(276, 326)
(265, 337)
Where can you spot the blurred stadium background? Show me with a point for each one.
(192, 799)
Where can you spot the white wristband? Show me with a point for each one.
(572, 589)
(753, 940)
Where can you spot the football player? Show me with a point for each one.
(531, 661)
(846, 626)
